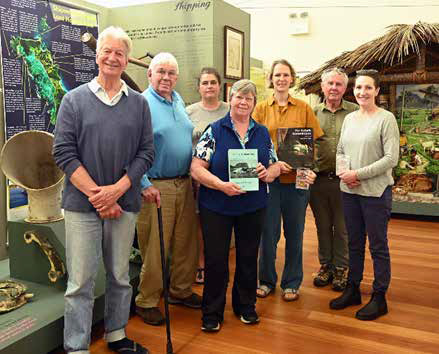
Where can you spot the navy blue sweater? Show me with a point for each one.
(225, 139)
(108, 141)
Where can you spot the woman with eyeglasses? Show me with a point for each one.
(369, 147)
(225, 205)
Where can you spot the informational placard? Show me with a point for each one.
(42, 59)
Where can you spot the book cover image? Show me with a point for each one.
(295, 146)
(242, 168)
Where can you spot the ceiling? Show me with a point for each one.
(264, 4)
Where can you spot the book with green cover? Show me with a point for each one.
(242, 168)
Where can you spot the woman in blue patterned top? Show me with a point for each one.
(224, 205)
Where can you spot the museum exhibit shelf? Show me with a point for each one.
(37, 327)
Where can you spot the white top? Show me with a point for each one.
(100, 93)
(202, 117)
(372, 143)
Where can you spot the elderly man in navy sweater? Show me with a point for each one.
(104, 144)
(167, 184)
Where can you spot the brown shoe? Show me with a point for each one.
(193, 301)
(151, 315)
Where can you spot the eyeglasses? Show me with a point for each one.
(162, 72)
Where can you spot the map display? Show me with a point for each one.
(42, 59)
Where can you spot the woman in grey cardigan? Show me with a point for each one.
(369, 142)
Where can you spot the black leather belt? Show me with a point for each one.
(175, 177)
(328, 174)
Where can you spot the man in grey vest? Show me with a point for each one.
(325, 197)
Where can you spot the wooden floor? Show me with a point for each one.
(308, 325)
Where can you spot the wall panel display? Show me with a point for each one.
(42, 59)
(418, 119)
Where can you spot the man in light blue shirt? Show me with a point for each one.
(168, 185)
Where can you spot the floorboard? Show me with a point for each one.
(308, 325)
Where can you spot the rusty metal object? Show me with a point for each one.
(57, 268)
(12, 295)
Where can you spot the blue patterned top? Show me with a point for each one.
(205, 147)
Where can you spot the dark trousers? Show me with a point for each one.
(217, 230)
(368, 215)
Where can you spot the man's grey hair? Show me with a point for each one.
(244, 86)
(163, 58)
(334, 71)
(115, 33)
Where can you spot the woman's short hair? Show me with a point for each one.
(115, 33)
(244, 86)
(283, 62)
(209, 70)
(163, 58)
(335, 71)
(372, 73)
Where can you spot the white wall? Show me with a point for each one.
(332, 31)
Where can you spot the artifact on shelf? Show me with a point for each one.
(57, 268)
(13, 295)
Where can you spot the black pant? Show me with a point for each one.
(217, 230)
(368, 215)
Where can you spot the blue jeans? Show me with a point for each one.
(290, 203)
(368, 215)
(88, 238)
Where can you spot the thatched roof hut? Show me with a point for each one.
(406, 54)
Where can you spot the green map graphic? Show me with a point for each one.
(43, 71)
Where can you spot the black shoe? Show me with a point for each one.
(211, 326)
(126, 345)
(324, 275)
(340, 279)
(249, 318)
(351, 296)
(151, 315)
(376, 307)
(193, 301)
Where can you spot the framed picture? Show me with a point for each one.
(227, 87)
(233, 53)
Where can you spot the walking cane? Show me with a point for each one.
(169, 349)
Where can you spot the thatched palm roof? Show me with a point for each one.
(399, 42)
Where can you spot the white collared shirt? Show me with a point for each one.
(100, 93)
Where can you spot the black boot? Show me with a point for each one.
(376, 307)
(351, 296)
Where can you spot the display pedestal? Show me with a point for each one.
(37, 327)
(427, 209)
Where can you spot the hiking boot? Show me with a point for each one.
(193, 301)
(376, 307)
(324, 275)
(340, 279)
(351, 296)
(151, 315)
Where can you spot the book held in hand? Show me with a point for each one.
(295, 146)
(242, 168)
